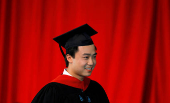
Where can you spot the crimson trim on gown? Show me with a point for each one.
(72, 81)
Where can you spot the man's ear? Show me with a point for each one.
(69, 58)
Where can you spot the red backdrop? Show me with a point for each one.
(133, 46)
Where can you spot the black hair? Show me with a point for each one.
(71, 51)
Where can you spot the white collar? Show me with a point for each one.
(66, 73)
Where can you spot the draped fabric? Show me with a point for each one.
(133, 46)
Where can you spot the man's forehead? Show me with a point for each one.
(90, 49)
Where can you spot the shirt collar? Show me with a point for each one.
(66, 73)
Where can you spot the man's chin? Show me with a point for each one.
(87, 75)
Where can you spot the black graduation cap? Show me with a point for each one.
(77, 37)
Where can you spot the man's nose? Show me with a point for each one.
(90, 62)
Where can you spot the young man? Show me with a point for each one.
(73, 86)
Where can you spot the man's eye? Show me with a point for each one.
(94, 56)
(86, 57)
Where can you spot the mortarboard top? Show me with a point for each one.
(77, 37)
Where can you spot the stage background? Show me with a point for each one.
(133, 46)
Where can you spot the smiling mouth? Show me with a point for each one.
(88, 69)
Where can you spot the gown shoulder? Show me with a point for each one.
(60, 93)
(50, 93)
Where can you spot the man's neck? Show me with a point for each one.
(69, 70)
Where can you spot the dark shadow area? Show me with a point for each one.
(5, 57)
(150, 57)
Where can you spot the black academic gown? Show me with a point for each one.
(71, 90)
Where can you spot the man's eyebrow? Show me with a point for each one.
(86, 54)
(95, 54)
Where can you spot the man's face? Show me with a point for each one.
(84, 61)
